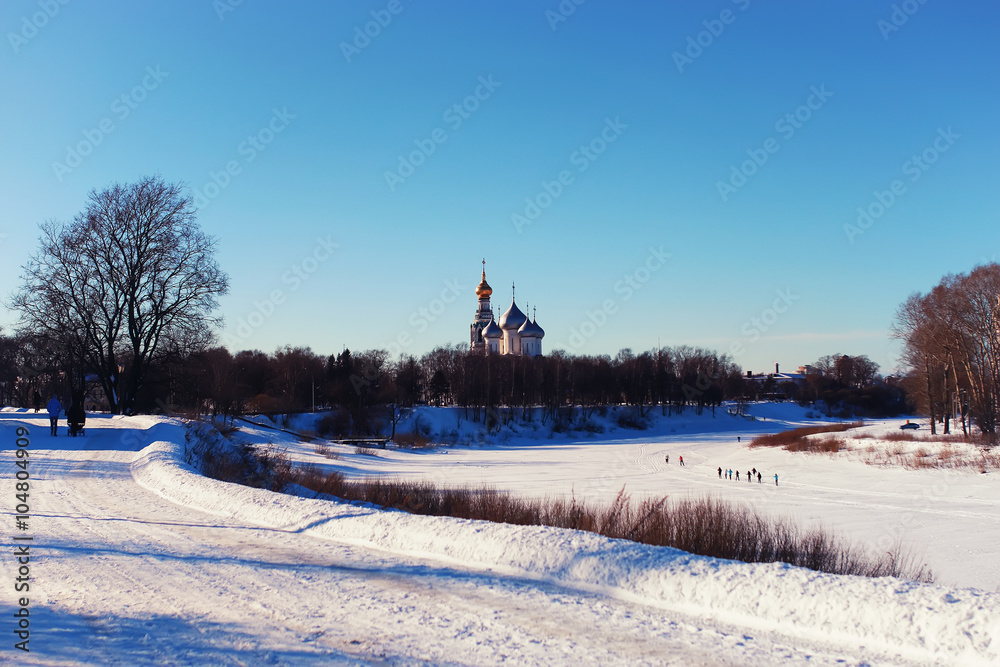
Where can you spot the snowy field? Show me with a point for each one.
(948, 518)
(139, 560)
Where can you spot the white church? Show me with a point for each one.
(513, 334)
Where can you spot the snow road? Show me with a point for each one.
(227, 575)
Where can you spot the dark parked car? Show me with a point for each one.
(909, 426)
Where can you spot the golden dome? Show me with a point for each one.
(483, 291)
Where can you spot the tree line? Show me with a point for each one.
(368, 391)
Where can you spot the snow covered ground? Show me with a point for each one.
(137, 559)
(946, 517)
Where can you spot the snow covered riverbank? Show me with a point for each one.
(912, 621)
(146, 561)
(948, 518)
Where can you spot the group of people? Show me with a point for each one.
(728, 472)
(76, 416)
(751, 474)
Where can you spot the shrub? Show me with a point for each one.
(335, 423)
(230, 460)
(421, 427)
(414, 440)
(324, 449)
(797, 440)
(312, 477)
(631, 419)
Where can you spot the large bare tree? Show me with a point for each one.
(129, 280)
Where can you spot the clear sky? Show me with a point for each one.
(645, 172)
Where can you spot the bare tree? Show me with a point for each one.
(130, 280)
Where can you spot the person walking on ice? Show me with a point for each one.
(758, 477)
(720, 472)
(737, 475)
(54, 408)
(681, 459)
(667, 458)
(776, 479)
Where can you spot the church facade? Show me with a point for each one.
(512, 334)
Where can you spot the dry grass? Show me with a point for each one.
(932, 451)
(706, 527)
(798, 440)
(324, 449)
(414, 440)
(229, 460)
(945, 458)
(913, 436)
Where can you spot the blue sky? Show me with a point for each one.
(619, 100)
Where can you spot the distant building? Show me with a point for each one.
(514, 334)
(778, 377)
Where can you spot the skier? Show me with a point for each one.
(54, 408)
(720, 472)
(681, 459)
(776, 479)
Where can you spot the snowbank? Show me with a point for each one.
(913, 621)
